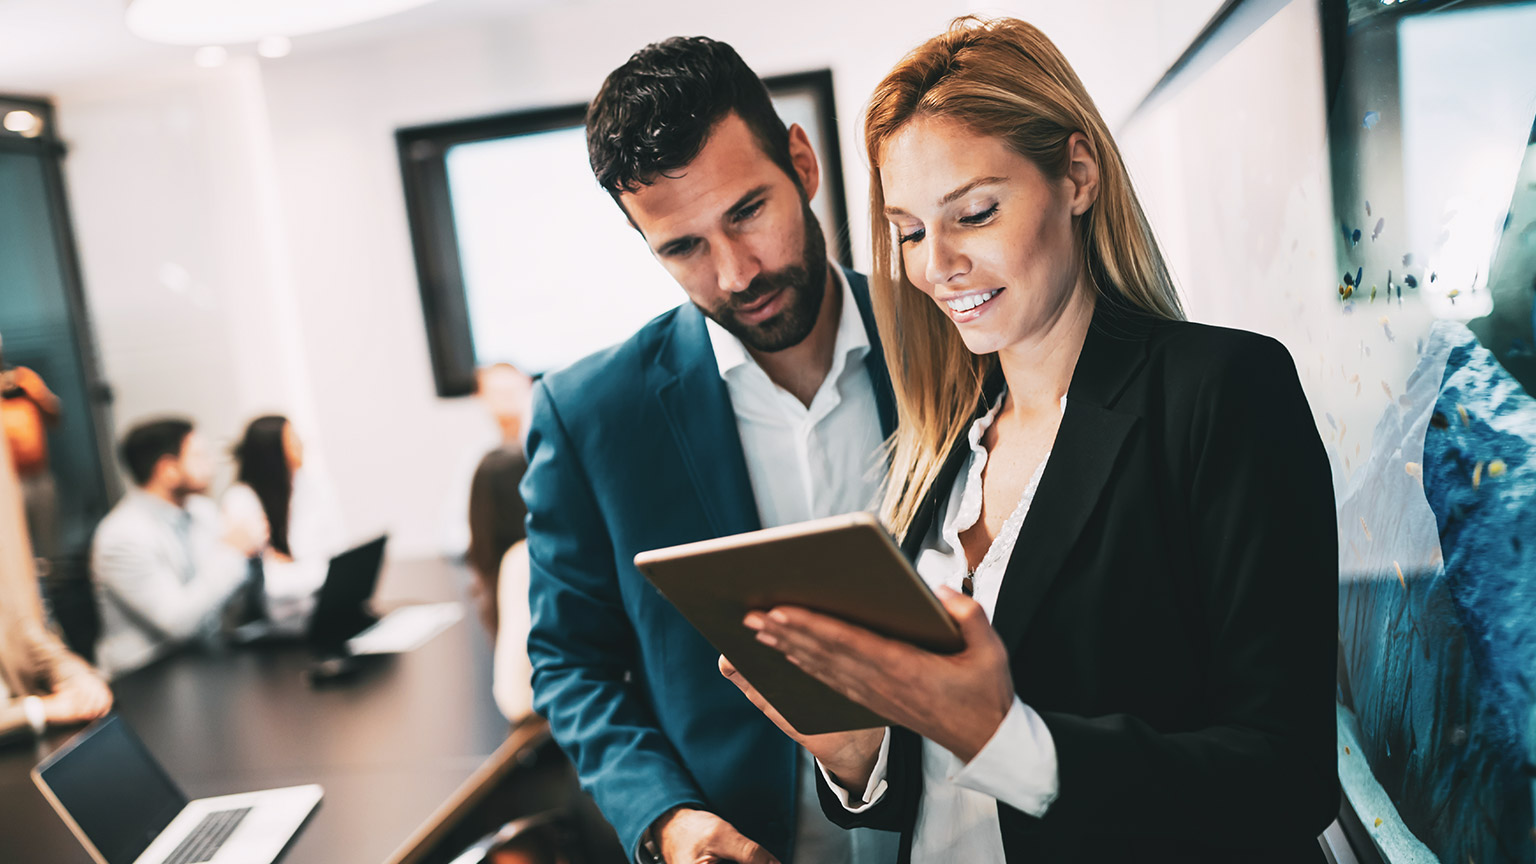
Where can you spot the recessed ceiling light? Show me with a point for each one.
(273, 47)
(225, 22)
(24, 123)
(210, 56)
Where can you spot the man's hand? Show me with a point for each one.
(83, 698)
(849, 756)
(687, 836)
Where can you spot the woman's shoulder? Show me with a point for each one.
(238, 493)
(240, 501)
(1208, 353)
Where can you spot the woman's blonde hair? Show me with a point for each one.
(1000, 78)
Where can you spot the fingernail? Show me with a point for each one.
(767, 639)
(753, 621)
(779, 616)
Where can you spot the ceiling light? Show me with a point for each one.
(202, 22)
(273, 47)
(210, 56)
(24, 123)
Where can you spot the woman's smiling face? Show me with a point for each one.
(982, 231)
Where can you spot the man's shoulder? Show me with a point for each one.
(125, 527)
(617, 372)
(125, 512)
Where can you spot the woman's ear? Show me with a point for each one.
(1082, 173)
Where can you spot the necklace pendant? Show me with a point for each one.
(968, 584)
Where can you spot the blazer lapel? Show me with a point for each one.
(1081, 463)
(697, 406)
(944, 481)
(874, 361)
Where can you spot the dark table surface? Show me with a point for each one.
(388, 746)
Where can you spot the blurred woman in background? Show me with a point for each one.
(296, 511)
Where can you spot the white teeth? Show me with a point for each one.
(969, 302)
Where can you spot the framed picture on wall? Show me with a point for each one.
(523, 259)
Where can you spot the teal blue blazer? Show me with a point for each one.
(631, 449)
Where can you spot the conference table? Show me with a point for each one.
(396, 747)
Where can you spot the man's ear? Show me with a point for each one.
(1082, 173)
(803, 157)
(165, 467)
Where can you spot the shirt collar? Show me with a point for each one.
(162, 508)
(852, 338)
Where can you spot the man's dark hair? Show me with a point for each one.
(147, 443)
(654, 113)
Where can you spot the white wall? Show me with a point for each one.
(276, 187)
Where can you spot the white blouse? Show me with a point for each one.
(957, 819)
(314, 536)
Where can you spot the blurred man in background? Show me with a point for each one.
(164, 562)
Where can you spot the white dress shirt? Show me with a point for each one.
(162, 575)
(807, 462)
(957, 819)
(314, 537)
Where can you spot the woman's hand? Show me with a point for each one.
(78, 700)
(848, 756)
(954, 700)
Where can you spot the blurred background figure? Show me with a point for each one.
(512, 673)
(42, 683)
(505, 392)
(164, 562)
(496, 510)
(28, 409)
(497, 556)
(496, 513)
(294, 509)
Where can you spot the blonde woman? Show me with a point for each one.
(1130, 516)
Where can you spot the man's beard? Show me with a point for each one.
(806, 285)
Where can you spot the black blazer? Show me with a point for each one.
(1170, 609)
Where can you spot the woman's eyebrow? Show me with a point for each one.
(952, 196)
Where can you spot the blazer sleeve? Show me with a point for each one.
(582, 646)
(1260, 504)
(903, 784)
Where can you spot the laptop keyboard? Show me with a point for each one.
(208, 837)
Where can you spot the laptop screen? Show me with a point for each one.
(341, 608)
(114, 790)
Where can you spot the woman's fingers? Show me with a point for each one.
(735, 677)
(968, 614)
(863, 666)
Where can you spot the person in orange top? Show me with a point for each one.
(43, 685)
(27, 410)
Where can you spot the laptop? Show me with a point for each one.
(341, 606)
(342, 623)
(124, 808)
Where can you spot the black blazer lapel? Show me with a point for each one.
(694, 399)
(1082, 460)
(874, 361)
(944, 481)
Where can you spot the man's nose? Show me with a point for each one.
(735, 265)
